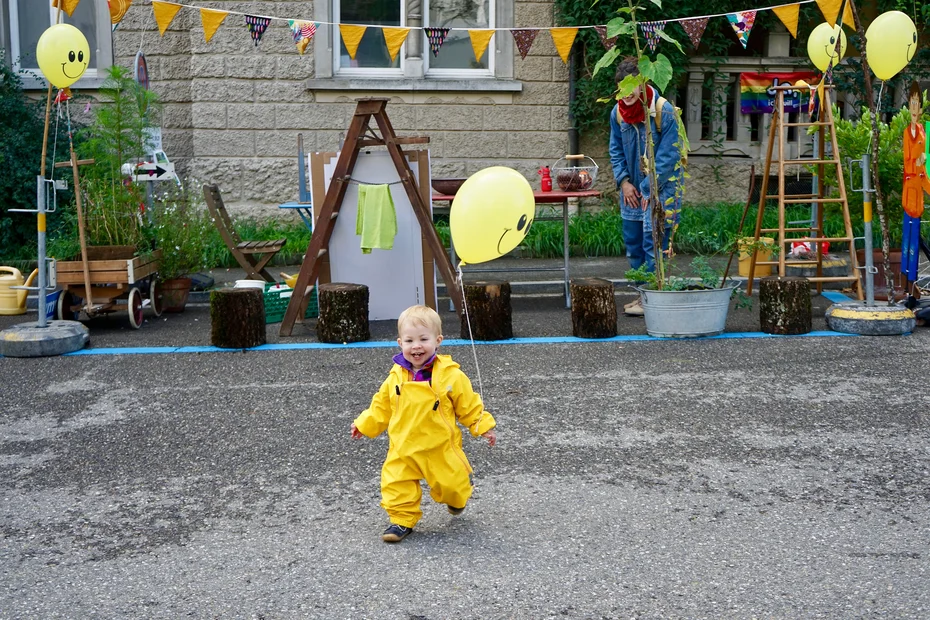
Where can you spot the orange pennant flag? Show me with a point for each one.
(394, 38)
(351, 36)
(831, 11)
(211, 20)
(789, 17)
(164, 13)
(67, 6)
(118, 10)
(563, 39)
(479, 41)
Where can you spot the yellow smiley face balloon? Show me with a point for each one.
(63, 54)
(490, 214)
(821, 45)
(890, 43)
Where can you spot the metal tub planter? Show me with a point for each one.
(686, 314)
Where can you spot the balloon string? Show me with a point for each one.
(878, 111)
(471, 337)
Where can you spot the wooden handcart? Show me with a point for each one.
(119, 281)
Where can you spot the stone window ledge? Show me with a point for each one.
(415, 85)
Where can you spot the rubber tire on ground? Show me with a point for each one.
(155, 296)
(134, 308)
(63, 311)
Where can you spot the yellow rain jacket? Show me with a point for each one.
(425, 441)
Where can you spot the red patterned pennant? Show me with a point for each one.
(524, 38)
(602, 32)
(695, 29)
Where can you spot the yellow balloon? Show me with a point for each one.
(890, 43)
(63, 54)
(821, 45)
(490, 214)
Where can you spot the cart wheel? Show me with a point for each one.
(155, 297)
(135, 308)
(63, 311)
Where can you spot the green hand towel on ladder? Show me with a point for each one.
(376, 221)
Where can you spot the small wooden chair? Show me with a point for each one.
(251, 255)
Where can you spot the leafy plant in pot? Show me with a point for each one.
(181, 228)
(673, 307)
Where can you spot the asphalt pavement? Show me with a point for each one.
(735, 477)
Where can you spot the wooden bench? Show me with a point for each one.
(251, 255)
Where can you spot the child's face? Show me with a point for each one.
(418, 343)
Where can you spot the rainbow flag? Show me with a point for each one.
(757, 96)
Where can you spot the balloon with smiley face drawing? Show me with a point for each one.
(490, 214)
(63, 54)
(821, 45)
(890, 43)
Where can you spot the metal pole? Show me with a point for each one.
(40, 193)
(867, 192)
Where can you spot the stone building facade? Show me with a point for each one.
(232, 109)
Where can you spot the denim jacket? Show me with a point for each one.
(628, 144)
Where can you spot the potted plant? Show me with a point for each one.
(673, 306)
(181, 228)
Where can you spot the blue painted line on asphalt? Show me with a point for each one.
(837, 297)
(454, 342)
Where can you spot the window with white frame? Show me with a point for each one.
(28, 19)
(456, 58)
(456, 54)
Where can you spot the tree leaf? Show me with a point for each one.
(662, 34)
(626, 86)
(647, 68)
(662, 72)
(658, 3)
(620, 27)
(606, 60)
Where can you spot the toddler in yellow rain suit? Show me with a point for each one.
(418, 404)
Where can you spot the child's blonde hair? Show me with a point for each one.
(421, 315)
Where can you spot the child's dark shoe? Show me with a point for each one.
(455, 511)
(395, 533)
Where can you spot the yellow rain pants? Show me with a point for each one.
(425, 441)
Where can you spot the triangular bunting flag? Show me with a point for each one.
(695, 29)
(164, 13)
(789, 17)
(602, 32)
(563, 39)
(479, 41)
(742, 22)
(436, 37)
(831, 11)
(351, 37)
(394, 38)
(524, 38)
(652, 30)
(68, 6)
(211, 20)
(118, 10)
(302, 32)
(257, 27)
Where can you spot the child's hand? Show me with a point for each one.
(357, 434)
(491, 436)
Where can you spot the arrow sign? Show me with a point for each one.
(149, 171)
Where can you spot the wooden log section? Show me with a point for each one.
(343, 313)
(237, 318)
(594, 308)
(488, 310)
(785, 305)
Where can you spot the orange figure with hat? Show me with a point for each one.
(915, 184)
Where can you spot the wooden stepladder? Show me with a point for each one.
(360, 135)
(813, 232)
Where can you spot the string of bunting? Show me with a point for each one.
(394, 37)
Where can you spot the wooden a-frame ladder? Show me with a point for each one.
(813, 233)
(360, 135)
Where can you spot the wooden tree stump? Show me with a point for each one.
(237, 318)
(594, 309)
(785, 305)
(489, 311)
(343, 313)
